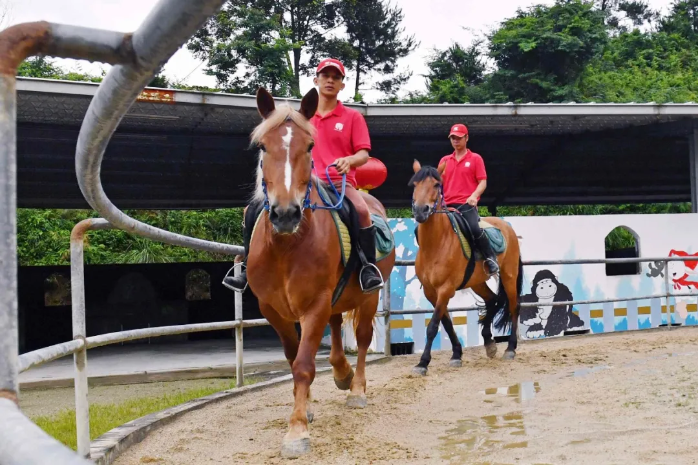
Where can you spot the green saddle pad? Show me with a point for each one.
(494, 235)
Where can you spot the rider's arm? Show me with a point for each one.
(361, 143)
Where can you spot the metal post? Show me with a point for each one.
(239, 371)
(9, 337)
(386, 314)
(668, 294)
(77, 281)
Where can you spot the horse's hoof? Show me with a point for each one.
(509, 355)
(356, 401)
(455, 363)
(345, 384)
(491, 350)
(310, 416)
(421, 371)
(295, 448)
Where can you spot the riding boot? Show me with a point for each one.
(370, 276)
(488, 255)
(237, 283)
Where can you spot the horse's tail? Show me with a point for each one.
(355, 317)
(519, 281)
(503, 317)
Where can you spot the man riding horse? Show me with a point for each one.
(464, 181)
(342, 138)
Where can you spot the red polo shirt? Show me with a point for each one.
(462, 176)
(340, 133)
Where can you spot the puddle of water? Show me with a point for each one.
(483, 435)
(521, 391)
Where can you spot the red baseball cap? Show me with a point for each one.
(330, 62)
(459, 130)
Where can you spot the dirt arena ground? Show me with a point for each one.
(620, 398)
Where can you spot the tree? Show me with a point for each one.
(456, 74)
(682, 20)
(374, 43)
(42, 67)
(541, 53)
(261, 42)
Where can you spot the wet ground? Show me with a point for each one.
(621, 398)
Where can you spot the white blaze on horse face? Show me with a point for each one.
(287, 145)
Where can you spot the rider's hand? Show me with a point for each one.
(343, 165)
(472, 201)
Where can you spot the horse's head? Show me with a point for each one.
(285, 140)
(428, 192)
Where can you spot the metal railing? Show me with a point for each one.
(136, 58)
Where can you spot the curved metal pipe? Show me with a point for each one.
(168, 26)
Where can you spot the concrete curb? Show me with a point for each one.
(106, 448)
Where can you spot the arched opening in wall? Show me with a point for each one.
(57, 290)
(622, 242)
(198, 285)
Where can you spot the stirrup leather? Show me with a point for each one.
(227, 275)
(380, 275)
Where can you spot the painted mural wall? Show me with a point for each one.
(562, 238)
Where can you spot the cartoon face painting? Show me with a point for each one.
(546, 289)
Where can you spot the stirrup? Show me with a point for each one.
(227, 275)
(380, 275)
(484, 266)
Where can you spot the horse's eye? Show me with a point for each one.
(437, 185)
(310, 147)
(262, 147)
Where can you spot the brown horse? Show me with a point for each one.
(295, 262)
(440, 266)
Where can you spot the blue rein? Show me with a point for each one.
(306, 200)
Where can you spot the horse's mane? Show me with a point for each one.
(282, 114)
(424, 173)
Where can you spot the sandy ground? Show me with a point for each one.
(621, 398)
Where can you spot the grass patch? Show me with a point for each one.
(105, 417)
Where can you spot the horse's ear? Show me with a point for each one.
(441, 168)
(416, 166)
(265, 102)
(309, 103)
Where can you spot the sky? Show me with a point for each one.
(435, 24)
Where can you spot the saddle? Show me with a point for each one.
(466, 239)
(346, 221)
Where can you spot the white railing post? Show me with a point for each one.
(386, 315)
(239, 368)
(77, 282)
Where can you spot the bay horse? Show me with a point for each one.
(440, 267)
(294, 263)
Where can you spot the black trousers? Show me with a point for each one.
(472, 217)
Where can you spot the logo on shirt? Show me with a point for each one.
(467, 164)
(338, 127)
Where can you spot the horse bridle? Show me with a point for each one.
(433, 208)
(306, 200)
